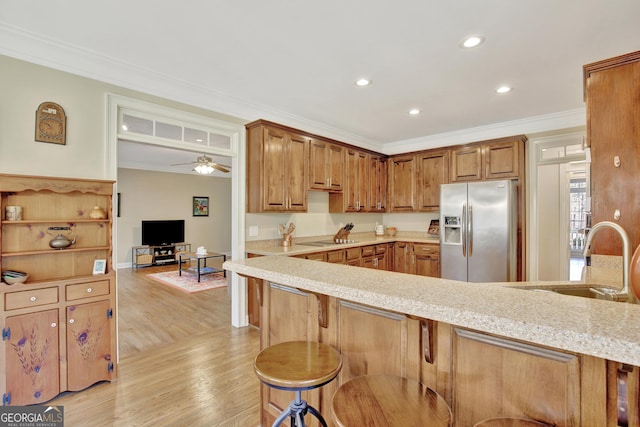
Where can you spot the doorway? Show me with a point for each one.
(577, 218)
(560, 206)
(188, 140)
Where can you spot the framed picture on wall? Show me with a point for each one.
(200, 206)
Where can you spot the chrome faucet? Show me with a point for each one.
(625, 294)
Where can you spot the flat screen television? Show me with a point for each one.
(162, 232)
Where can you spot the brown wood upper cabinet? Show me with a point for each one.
(365, 188)
(326, 166)
(612, 91)
(415, 181)
(497, 159)
(402, 183)
(377, 184)
(277, 165)
(433, 170)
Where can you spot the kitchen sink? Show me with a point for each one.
(577, 292)
(587, 292)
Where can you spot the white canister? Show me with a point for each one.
(13, 213)
(379, 230)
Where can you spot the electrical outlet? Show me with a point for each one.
(253, 231)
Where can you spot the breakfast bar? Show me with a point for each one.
(490, 349)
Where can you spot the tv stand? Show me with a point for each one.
(146, 255)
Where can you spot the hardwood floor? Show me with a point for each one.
(181, 362)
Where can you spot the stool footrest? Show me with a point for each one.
(297, 409)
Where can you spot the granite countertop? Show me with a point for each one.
(273, 247)
(604, 329)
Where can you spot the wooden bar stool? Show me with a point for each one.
(297, 366)
(509, 422)
(384, 401)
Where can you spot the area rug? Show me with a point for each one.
(188, 282)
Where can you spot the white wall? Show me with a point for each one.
(24, 86)
(146, 195)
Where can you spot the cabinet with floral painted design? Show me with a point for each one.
(88, 344)
(58, 327)
(31, 351)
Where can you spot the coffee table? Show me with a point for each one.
(201, 262)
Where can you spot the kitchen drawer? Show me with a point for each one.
(368, 251)
(36, 297)
(353, 253)
(425, 249)
(86, 290)
(335, 256)
(380, 249)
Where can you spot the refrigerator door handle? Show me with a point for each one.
(464, 229)
(470, 229)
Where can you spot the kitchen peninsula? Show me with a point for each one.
(489, 349)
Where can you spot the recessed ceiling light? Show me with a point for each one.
(414, 111)
(472, 41)
(363, 82)
(503, 89)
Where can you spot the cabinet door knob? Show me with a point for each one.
(89, 290)
(72, 321)
(32, 299)
(54, 324)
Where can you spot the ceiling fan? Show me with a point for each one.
(205, 165)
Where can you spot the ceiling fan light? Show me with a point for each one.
(204, 169)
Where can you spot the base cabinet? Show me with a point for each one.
(364, 350)
(88, 344)
(498, 377)
(31, 353)
(422, 259)
(402, 257)
(58, 338)
(287, 315)
(479, 375)
(426, 259)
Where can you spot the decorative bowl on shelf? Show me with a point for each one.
(97, 213)
(11, 277)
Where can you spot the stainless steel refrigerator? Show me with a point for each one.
(478, 231)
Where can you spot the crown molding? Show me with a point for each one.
(32, 47)
(530, 125)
